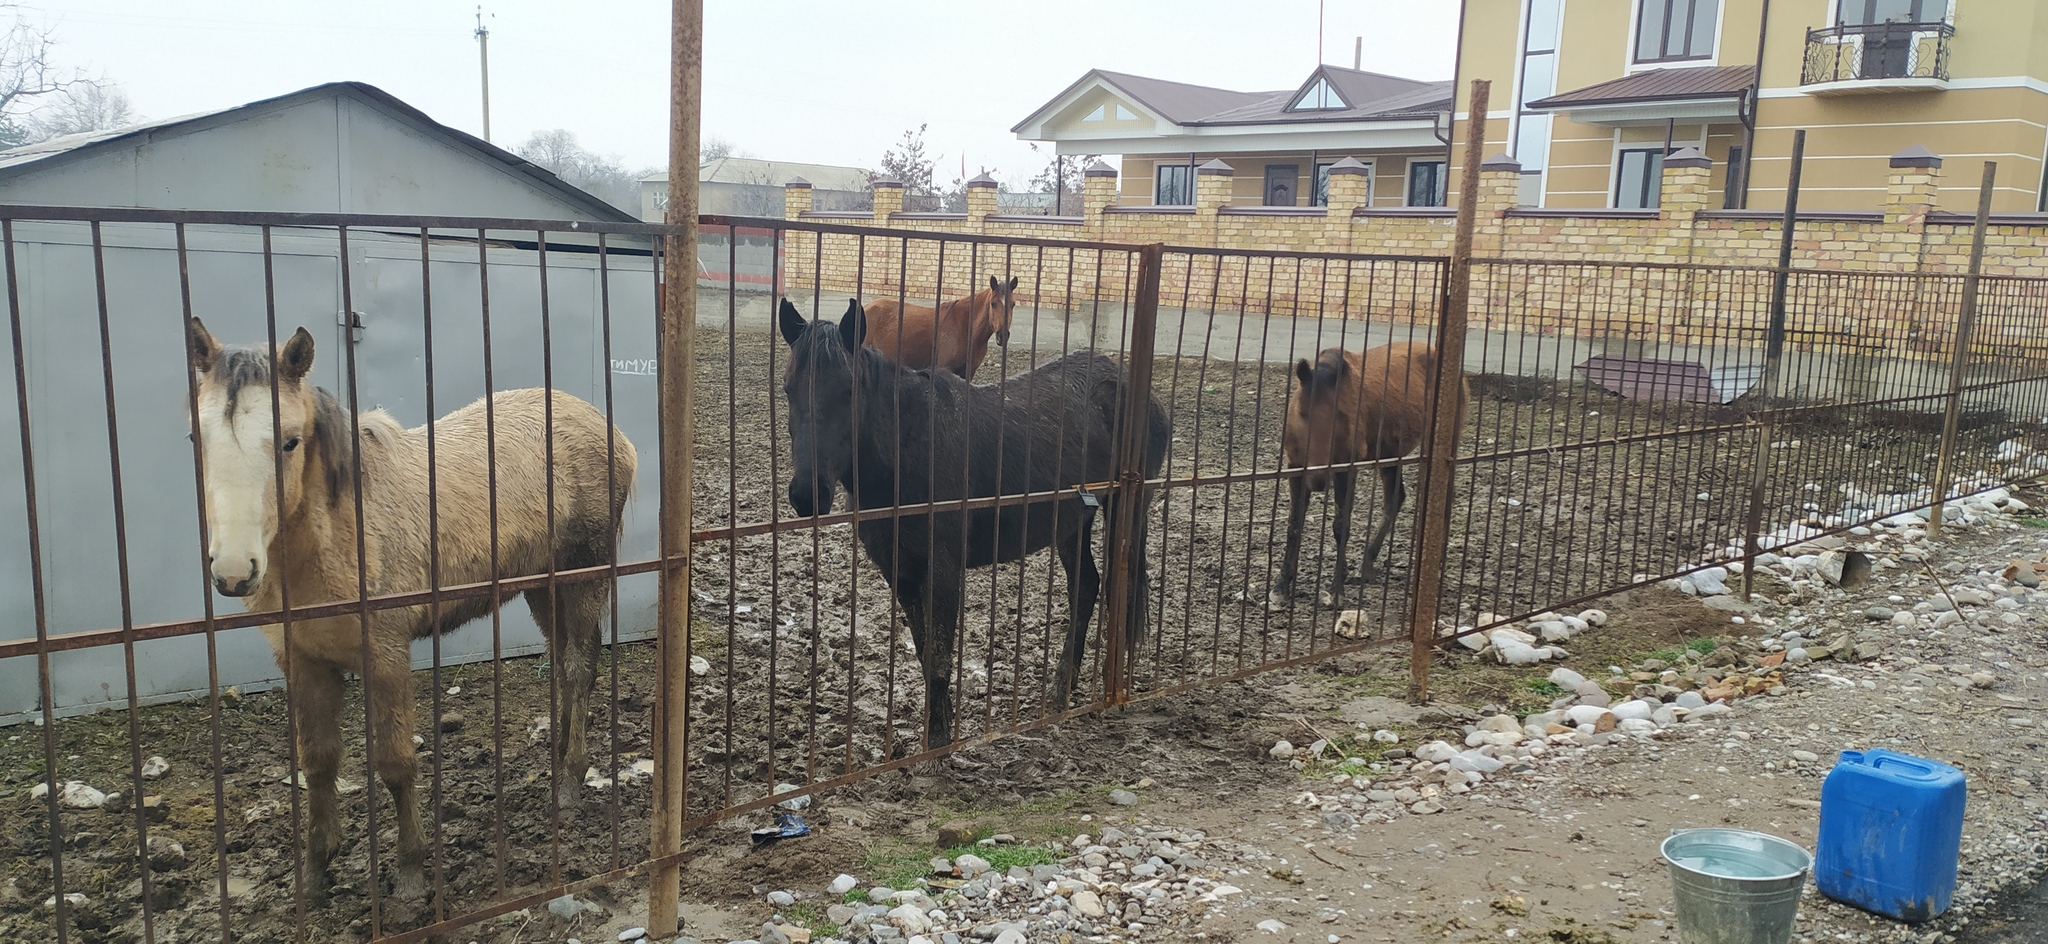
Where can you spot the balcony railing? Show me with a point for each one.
(1880, 55)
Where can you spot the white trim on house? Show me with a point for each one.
(1986, 82)
(1330, 136)
(1656, 113)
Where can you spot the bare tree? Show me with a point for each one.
(26, 73)
(1062, 178)
(715, 147)
(87, 106)
(558, 151)
(908, 163)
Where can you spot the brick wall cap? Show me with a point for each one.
(1501, 163)
(1916, 156)
(1349, 165)
(1216, 167)
(982, 180)
(887, 183)
(798, 183)
(1097, 168)
(1688, 157)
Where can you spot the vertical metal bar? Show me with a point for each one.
(612, 525)
(62, 912)
(483, 283)
(1123, 546)
(1433, 509)
(293, 720)
(368, 672)
(120, 510)
(1774, 347)
(220, 847)
(1966, 320)
(678, 370)
(559, 644)
(435, 892)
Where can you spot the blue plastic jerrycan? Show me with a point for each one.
(1891, 828)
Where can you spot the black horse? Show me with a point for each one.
(888, 434)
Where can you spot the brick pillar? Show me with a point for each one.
(1350, 183)
(1213, 182)
(797, 245)
(1911, 189)
(981, 202)
(1684, 187)
(796, 198)
(1098, 191)
(1500, 190)
(888, 199)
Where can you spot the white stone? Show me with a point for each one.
(1805, 757)
(1500, 724)
(1665, 715)
(1640, 727)
(1566, 679)
(1633, 710)
(77, 795)
(1689, 700)
(155, 767)
(1281, 750)
(841, 885)
(1475, 762)
(1436, 752)
(1271, 926)
(1384, 736)
(1585, 714)
(1594, 617)
(910, 918)
(632, 934)
(1010, 936)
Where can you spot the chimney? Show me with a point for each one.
(1358, 53)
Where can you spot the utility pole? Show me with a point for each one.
(483, 58)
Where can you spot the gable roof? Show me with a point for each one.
(34, 158)
(1658, 85)
(1371, 96)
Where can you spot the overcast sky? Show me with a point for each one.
(823, 82)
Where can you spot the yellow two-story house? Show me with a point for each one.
(1589, 95)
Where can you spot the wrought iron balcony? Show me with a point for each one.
(1877, 57)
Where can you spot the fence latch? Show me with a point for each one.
(353, 320)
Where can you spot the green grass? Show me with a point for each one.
(1543, 687)
(2031, 522)
(1002, 858)
(1702, 645)
(1347, 755)
(806, 914)
(901, 865)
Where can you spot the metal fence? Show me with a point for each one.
(1624, 424)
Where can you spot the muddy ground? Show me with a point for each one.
(809, 676)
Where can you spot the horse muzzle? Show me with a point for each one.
(1003, 337)
(237, 586)
(808, 501)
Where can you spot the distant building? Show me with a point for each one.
(744, 186)
(1281, 143)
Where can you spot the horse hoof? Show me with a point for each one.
(410, 885)
(1279, 599)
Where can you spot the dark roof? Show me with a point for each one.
(1658, 85)
(33, 157)
(1368, 95)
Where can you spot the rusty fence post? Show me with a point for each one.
(1774, 350)
(1440, 450)
(1966, 323)
(1123, 543)
(676, 327)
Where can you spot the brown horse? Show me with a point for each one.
(1346, 408)
(260, 551)
(955, 338)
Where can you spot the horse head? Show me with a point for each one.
(245, 447)
(820, 384)
(996, 307)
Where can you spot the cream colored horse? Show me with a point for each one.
(258, 551)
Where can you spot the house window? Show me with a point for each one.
(1321, 96)
(1874, 12)
(1671, 30)
(1321, 197)
(1639, 175)
(1425, 183)
(1103, 112)
(1731, 179)
(1171, 187)
(1281, 183)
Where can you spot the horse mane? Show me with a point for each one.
(240, 368)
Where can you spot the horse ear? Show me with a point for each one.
(995, 285)
(1013, 283)
(1306, 372)
(853, 328)
(205, 350)
(793, 323)
(296, 358)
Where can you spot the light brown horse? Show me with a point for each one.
(1350, 407)
(259, 551)
(955, 338)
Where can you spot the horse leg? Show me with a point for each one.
(315, 693)
(1290, 559)
(389, 691)
(1344, 486)
(1396, 496)
(569, 619)
(1084, 584)
(931, 605)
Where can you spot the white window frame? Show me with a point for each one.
(1442, 181)
(1635, 15)
(1614, 156)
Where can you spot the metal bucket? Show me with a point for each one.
(1733, 886)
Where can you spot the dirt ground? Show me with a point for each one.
(808, 677)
